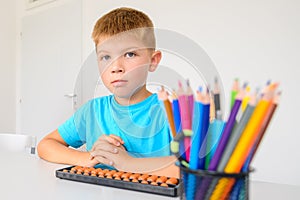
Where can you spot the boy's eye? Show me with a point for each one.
(105, 58)
(130, 55)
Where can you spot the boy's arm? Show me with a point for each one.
(124, 162)
(54, 149)
(163, 166)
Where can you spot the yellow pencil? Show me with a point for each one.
(246, 99)
(212, 112)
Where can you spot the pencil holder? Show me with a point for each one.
(210, 185)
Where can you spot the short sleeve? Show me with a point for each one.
(73, 131)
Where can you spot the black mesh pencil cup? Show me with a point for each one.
(211, 185)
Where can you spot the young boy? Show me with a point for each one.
(128, 129)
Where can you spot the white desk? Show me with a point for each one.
(24, 176)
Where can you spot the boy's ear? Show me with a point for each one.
(155, 59)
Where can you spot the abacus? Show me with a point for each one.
(161, 185)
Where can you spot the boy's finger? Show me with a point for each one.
(102, 156)
(98, 143)
(113, 140)
(106, 147)
(117, 138)
(104, 160)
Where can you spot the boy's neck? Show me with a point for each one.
(137, 97)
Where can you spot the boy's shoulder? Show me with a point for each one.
(109, 101)
(94, 103)
(103, 100)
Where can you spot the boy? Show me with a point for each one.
(127, 130)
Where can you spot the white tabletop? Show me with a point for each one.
(25, 176)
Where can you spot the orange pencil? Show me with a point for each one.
(250, 132)
(163, 96)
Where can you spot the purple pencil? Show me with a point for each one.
(226, 134)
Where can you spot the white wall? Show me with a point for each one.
(253, 40)
(7, 66)
(48, 61)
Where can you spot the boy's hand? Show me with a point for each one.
(112, 139)
(106, 143)
(119, 158)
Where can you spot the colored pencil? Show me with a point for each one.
(184, 108)
(200, 127)
(163, 96)
(176, 112)
(185, 118)
(240, 113)
(264, 126)
(214, 135)
(227, 132)
(190, 97)
(246, 99)
(216, 92)
(177, 122)
(249, 135)
(236, 134)
(234, 91)
(212, 111)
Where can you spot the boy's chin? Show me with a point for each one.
(122, 94)
(125, 95)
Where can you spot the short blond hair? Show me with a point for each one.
(125, 20)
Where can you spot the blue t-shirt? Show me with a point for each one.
(143, 126)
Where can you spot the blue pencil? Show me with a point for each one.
(214, 134)
(177, 121)
(200, 127)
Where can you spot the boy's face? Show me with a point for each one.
(124, 63)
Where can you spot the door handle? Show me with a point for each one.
(74, 99)
(70, 95)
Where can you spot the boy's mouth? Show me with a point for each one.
(119, 83)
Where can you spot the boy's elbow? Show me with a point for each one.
(41, 148)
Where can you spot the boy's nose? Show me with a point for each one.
(117, 66)
(117, 69)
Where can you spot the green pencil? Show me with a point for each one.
(234, 91)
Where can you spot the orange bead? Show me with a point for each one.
(164, 185)
(161, 179)
(134, 181)
(152, 178)
(173, 181)
(134, 176)
(126, 175)
(154, 183)
(143, 177)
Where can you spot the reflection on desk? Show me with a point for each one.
(26, 176)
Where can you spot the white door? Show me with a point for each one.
(51, 59)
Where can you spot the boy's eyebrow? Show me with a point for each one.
(123, 50)
(101, 51)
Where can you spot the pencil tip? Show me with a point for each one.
(188, 82)
(179, 84)
(248, 88)
(245, 85)
(200, 88)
